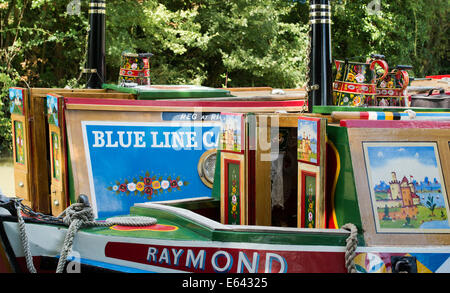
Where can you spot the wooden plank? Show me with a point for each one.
(21, 150)
(39, 154)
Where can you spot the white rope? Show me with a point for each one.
(350, 251)
(24, 239)
(76, 216)
(81, 215)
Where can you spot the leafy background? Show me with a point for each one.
(210, 42)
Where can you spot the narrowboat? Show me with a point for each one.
(182, 178)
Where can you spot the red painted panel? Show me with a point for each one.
(231, 260)
(168, 103)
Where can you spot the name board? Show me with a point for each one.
(133, 162)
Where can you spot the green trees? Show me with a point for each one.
(406, 32)
(211, 42)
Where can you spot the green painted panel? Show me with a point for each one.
(165, 92)
(346, 199)
(310, 202)
(19, 142)
(179, 232)
(234, 194)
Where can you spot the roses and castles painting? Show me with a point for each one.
(407, 187)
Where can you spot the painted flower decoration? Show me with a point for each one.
(123, 187)
(147, 181)
(131, 186)
(148, 186)
(148, 190)
(140, 186)
(359, 78)
(156, 185)
(165, 184)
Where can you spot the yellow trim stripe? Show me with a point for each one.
(388, 116)
(333, 190)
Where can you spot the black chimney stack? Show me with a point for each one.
(320, 74)
(96, 66)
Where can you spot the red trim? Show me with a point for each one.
(251, 188)
(178, 103)
(394, 124)
(134, 73)
(390, 92)
(364, 115)
(438, 76)
(303, 195)
(227, 203)
(317, 120)
(356, 88)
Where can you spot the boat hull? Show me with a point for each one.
(93, 251)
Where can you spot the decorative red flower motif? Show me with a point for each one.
(148, 190)
(173, 184)
(148, 181)
(123, 187)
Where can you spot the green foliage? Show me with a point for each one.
(210, 42)
(406, 32)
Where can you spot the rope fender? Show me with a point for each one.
(352, 244)
(76, 216)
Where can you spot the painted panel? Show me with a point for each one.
(232, 131)
(52, 110)
(309, 192)
(233, 192)
(309, 140)
(406, 187)
(16, 101)
(19, 142)
(131, 162)
(311, 137)
(56, 156)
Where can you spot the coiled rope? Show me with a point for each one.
(350, 249)
(76, 216)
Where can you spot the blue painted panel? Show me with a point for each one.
(130, 163)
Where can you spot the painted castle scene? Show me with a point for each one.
(406, 187)
(231, 132)
(307, 141)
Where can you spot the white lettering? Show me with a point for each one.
(243, 261)
(273, 256)
(99, 140)
(198, 262)
(122, 144)
(177, 140)
(164, 257)
(108, 140)
(176, 255)
(139, 136)
(155, 140)
(191, 143)
(215, 263)
(208, 143)
(151, 254)
(166, 139)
